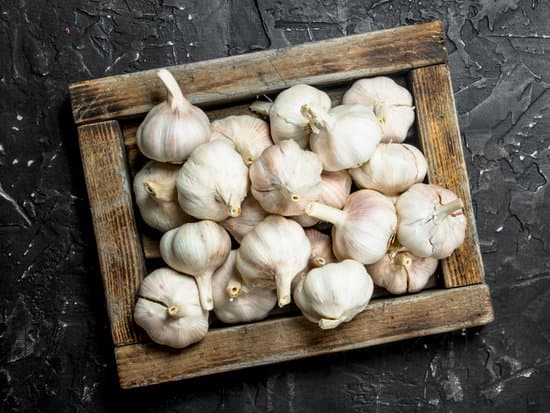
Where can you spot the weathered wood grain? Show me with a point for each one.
(440, 140)
(241, 77)
(291, 338)
(118, 245)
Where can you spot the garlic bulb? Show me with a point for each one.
(393, 168)
(272, 254)
(334, 294)
(402, 272)
(235, 302)
(156, 196)
(250, 135)
(285, 116)
(168, 309)
(335, 189)
(345, 137)
(174, 128)
(213, 182)
(321, 248)
(251, 215)
(391, 103)
(431, 221)
(285, 178)
(197, 249)
(363, 229)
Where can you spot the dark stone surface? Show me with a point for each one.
(55, 347)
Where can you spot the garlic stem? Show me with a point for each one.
(283, 284)
(317, 119)
(260, 107)
(319, 261)
(160, 191)
(447, 209)
(176, 98)
(204, 283)
(326, 213)
(234, 207)
(173, 311)
(234, 289)
(327, 323)
(404, 261)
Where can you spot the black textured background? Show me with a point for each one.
(55, 348)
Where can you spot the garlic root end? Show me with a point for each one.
(327, 323)
(260, 107)
(160, 192)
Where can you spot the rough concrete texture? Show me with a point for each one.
(55, 348)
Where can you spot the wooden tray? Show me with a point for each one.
(107, 111)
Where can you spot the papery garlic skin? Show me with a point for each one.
(213, 182)
(392, 104)
(234, 301)
(431, 221)
(174, 128)
(363, 229)
(157, 198)
(321, 248)
(251, 215)
(402, 272)
(169, 310)
(344, 138)
(335, 189)
(334, 294)
(272, 254)
(285, 178)
(285, 116)
(392, 169)
(197, 249)
(249, 134)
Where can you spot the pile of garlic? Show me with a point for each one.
(243, 181)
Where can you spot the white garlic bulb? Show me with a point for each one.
(285, 178)
(169, 310)
(285, 116)
(174, 128)
(251, 215)
(213, 182)
(321, 248)
(346, 137)
(234, 301)
(393, 168)
(272, 254)
(363, 229)
(402, 272)
(391, 103)
(335, 189)
(197, 249)
(157, 198)
(431, 221)
(249, 134)
(334, 294)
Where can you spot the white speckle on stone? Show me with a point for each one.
(15, 161)
(1, 149)
(527, 373)
(534, 153)
(425, 347)
(30, 162)
(499, 229)
(15, 128)
(19, 117)
(521, 157)
(188, 55)
(192, 43)
(189, 17)
(33, 194)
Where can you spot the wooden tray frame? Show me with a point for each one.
(100, 105)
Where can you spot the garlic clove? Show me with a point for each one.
(392, 169)
(234, 301)
(335, 189)
(174, 128)
(251, 215)
(169, 310)
(431, 221)
(391, 103)
(213, 182)
(285, 116)
(156, 196)
(272, 254)
(197, 249)
(363, 229)
(321, 248)
(344, 138)
(249, 134)
(402, 272)
(334, 294)
(285, 178)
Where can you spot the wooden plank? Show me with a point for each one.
(118, 245)
(241, 77)
(440, 140)
(294, 337)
